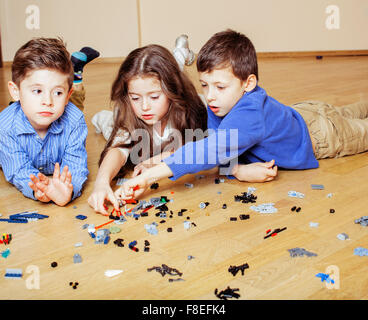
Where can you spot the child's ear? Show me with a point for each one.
(251, 83)
(70, 92)
(13, 90)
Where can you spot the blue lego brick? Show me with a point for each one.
(81, 217)
(106, 240)
(15, 220)
(13, 273)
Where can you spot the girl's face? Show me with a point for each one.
(148, 101)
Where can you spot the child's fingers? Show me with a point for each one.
(33, 178)
(111, 197)
(42, 178)
(68, 178)
(56, 174)
(64, 173)
(42, 187)
(33, 186)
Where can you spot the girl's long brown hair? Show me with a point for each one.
(186, 111)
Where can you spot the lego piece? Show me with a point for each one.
(360, 251)
(15, 220)
(112, 273)
(132, 246)
(5, 253)
(274, 232)
(164, 269)
(54, 264)
(6, 238)
(317, 186)
(264, 208)
(154, 185)
(81, 217)
(363, 221)
(151, 228)
(299, 252)
(190, 257)
(244, 216)
(178, 279)
(296, 194)
(224, 206)
(187, 225)
(235, 269)
(189, 185)
(114, 229)
(102, 236)
(77, 258)
(169, 229)
(119, 242)
(78, 244)
(313, 224)
(233, 218)
(227, 293)
(246, 197)
(325, 277)
(13, 273)
(342, 236)
(74, 285)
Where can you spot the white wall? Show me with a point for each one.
(112, 26)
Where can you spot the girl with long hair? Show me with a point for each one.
(154, 104)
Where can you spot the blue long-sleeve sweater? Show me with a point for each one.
(257, 128)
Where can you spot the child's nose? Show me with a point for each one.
(145, 105)
(47, 99)
(210, 95)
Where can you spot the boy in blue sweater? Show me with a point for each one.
(249, 130)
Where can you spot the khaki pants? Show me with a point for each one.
(336, 131)
(78, 97)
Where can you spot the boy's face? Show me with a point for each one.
(222, 90)
(43, 95)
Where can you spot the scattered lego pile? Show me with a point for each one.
(102, 235)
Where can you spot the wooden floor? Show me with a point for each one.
(216, 242)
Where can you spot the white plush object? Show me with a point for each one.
(103, 122)
(112, 273)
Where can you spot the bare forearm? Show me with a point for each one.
(158, 172)
(110, 166)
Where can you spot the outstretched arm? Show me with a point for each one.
(102, 191)
(135, 187)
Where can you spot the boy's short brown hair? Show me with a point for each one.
(42, 53)
(229, 48)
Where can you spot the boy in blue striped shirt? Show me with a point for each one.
(42, 134)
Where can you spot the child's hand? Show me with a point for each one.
(58, 189)
(97, 199)
(133, 188)
(39, 195)
(140, 168)
(255, 172)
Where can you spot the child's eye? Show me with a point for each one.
(220, 87)
(134, 98)
(203, 85)
(58, 93)
(36, 91)
(155, 97)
